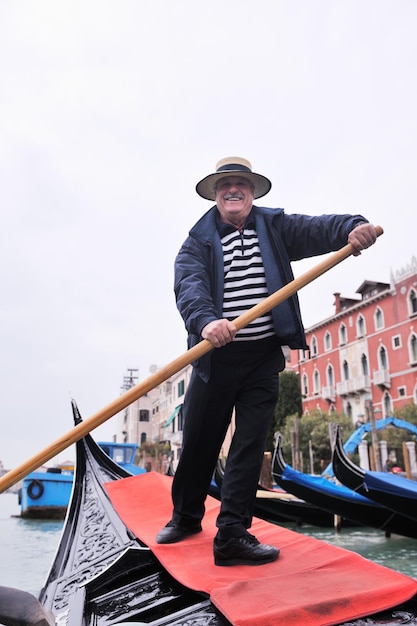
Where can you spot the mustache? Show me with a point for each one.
(233, 196)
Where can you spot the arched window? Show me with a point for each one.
(316, 381)
(304, 385)
(412, 302)
(412, 347)
(387, 404)
(348, 410)
(327, 341)
(330, 375)
(379, 319)
(314, 349)
(382, 358)
(345, 368)
(342, 334)
(360, 326)
(364, 365)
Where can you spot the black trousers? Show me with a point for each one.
(244, 376)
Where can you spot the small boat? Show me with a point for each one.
(395, 492)
(45, 495)
(338, 499)
(104, 574)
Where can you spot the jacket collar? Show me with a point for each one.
(206, 228)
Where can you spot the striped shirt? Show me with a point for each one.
(244, 282)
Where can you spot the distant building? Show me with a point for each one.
(367, 351)
(136, 422)
(167, 411)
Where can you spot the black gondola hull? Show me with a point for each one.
(402, 503)
(348, 508)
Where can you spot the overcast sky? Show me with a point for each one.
(111, 112)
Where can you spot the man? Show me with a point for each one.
(235, 256)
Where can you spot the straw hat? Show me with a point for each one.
(233, 166)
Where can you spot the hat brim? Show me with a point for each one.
(206, 188)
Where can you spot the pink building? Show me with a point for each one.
(366, 351)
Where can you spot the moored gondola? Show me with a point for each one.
(396, 493)
(339, 499)
(281, 506)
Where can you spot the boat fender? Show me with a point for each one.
(35, 489)
(20, 608)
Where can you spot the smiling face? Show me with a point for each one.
(234, 198)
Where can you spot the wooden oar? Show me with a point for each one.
(172, 368)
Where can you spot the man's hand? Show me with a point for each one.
(362, 237)
(219, 332)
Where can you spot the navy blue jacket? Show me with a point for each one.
(199, 268)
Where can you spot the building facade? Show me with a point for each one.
(366, 352)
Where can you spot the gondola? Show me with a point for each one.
(281, 506)
(396, 493)
(339, 499)
(103, 574)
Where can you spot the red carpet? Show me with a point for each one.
(311, 583)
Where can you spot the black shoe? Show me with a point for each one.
(172, 533)
(245, 550)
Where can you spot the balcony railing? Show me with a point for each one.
(353, 386)
(361, 383)
(344, 388)
(382, 378)
(328, 393)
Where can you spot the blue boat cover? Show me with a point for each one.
(321, 484)
(391, 483)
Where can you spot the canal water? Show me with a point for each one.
(27, 547)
